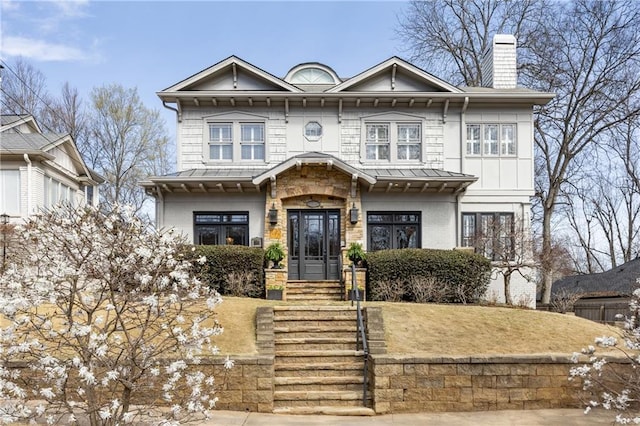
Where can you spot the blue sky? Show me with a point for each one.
(154, 44)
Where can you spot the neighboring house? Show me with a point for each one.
(38, 170)
(392, 157)
(601, 296)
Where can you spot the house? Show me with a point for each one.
(393, 157)
(39, 169)
(602, 296)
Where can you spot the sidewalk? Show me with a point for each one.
(564, 417)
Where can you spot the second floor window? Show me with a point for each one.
(393, 141)
(377, 144)
(252, 141)
(491, 140)
(232, 140)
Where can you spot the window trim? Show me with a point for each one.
(481, 143)
(392, 121)
(221, 224)
(236, 119)
(313, 138)
(393, 224)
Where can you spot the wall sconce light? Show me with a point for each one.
(229, 241)
(273, 214)
(353, 214)
(4, 218)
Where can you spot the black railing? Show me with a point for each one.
(361, 335)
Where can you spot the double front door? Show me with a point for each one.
(314, 244)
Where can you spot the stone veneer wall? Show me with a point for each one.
(413, 384)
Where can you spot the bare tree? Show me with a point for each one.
(24, 89)
(588, 53)
(451, 36)
(127, 142)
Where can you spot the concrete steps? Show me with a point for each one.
(318, 369)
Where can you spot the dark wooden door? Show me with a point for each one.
(314, 244)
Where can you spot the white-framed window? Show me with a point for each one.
(56, 192)
(377, 144)
(10, 192)
(252, 141)
(393, 138)
(221, 141)
(491, 140)
(235, 136)
(473, 139)
(409, 141)
(313, 131)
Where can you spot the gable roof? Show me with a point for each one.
(618, 281)
(231, 64)
(10, 121)
(393, 66)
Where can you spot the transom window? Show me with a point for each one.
(393, 141)
(491, 139)
(393, 230)
(221, 228)
(236, 140)
(491, 234)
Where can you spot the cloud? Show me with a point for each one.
(71, 9)
(41, 50)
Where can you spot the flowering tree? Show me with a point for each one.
(616, 386)
(103, 323)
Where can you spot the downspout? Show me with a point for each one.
(29, 191)
(463, 143)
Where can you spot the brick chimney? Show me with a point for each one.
(499, 63)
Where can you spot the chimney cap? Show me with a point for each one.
(504, 39)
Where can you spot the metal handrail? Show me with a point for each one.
(360, 333)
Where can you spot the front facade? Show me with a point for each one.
(391, 158)
(39, 170)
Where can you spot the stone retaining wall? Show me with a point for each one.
(410, 384)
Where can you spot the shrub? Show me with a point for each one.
(236, 261)
(465, 276)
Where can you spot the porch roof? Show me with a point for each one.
(236, 179)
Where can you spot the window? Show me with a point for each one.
(491, 234)
(491, 140)
(10, 192)
(221, 228)
(408, 142)
(377, 142)
(393, 230)
(220, 141)
(56, 192)
(393, 141)
(313, 131)
(252, 141)
(233, 140)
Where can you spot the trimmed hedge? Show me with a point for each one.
(460, 276)
(229, 267)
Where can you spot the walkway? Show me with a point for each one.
(564, 417)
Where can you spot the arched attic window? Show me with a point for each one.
(312, 74)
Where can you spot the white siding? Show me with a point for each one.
(179, 209)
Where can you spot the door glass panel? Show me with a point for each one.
(294, 236)
(313, 236)
(334, 234)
